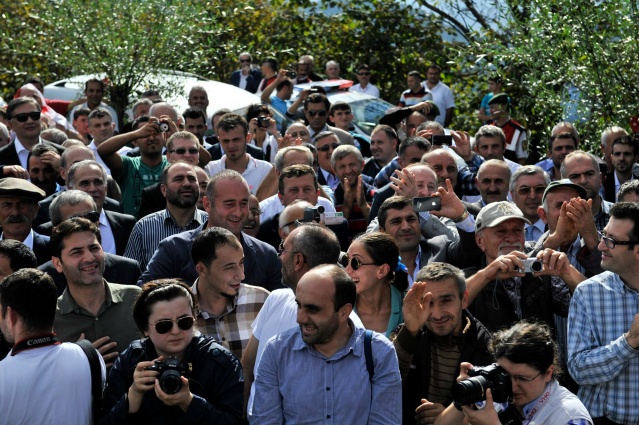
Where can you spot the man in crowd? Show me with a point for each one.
(316, 108)
(226, 202)
(515, 133)
(28, 299)
(629, 191)
(494, 86)
(180, 190)
(603, 325)
(101, 128)
(493, 178)
(608, 136)
(247, 77)
(40, 166)
(355, 191)
(332, 70)
(81, 124)
(623, 157)
(527, 187)
(384, 144)
(283, 88)
(327, 343)
(363, 74)
(560, 145)
(199, 98)
(90, 306)
(437, 335)
(195, 123)
(416, 92)
(490, 143)
(442, 95)
(94, 92)
(228, 307)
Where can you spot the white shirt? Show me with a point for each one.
(99, 160)
(443, 98)
(47, 385)
(23, 153)
(28, 241)
(618, 184)
(369, 89)
(254, 174)
(112, 112)
(108, 241)
(272, 205)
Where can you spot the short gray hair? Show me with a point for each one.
(332, 63)
(317, 244)
(279, 157)
(343, 151)
(607, 132)
(82, 164)
(284, 217)
(490, 131)
(527, 170)
(68, 198)
(595, 163)
(494, 163)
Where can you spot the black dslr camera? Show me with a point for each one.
(263, 122)
(473, 389)
(170, 372)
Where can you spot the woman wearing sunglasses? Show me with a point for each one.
(373, 263)
(528, 355)
(263, 130)
(211, 385)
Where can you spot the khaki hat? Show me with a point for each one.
(498, 212)
(564, 183)
(20, 188)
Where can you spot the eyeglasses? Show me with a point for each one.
(297, 134)
(611, 243)
(35, 116)
(321, 113)
(164, 326)
(182, 151)
(92, 216)
(281, 249)
(245, 61)
(355, 263)
(526, 190)
(327, 148)
(520, 379)
(363, 74)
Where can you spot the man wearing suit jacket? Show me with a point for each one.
(226, 202)
(115, 228)
(23, 114)
(74, 203)
(18, 207)
(316, 107)
(247, 77)
(624, 158)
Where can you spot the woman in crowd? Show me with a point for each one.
(263, 130)
(527, 354)
(210, 387)
(380, 278)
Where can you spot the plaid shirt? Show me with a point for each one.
(601, 219)
(232, 329)
(599, 357)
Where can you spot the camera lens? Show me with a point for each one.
(320, 209)
(170, 381)
(536, 266)
(471, 390)
(164, 127)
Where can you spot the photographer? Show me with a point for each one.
(527, 356)
(210, 388)
(263, 130)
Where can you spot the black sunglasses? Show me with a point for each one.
(526, 190)
(182, 151)
(362, 74)
(321, 113)
(164, 326)
(92, 216)
(356, 263)
(245, 61)
(327, 148)
(35, 116)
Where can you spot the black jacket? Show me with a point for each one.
(215, 380)
(473, 347)
(152, 200)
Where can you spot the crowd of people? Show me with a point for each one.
(227, 269)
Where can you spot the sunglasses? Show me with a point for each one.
(321, 113)
(327, 148)
(92, 216)
(355, 263)
(525, 190)
(245, 61)
(182, 151)
(164, 326)
(363, 74)
(35, 116)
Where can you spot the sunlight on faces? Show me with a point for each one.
(445, 318)
(492, 183)
(561, 148)
(528, 204)
(581, 170)
(316, 313)
(403, 226)
(383, 148)
(444, 165)
(29, 128)
(425, 180)
(195, 126)
(181, 188)
(230, 205)
(554, 200)
(491, 148)
(302, 187)
(224, 274)
(622, 259)
(233, 142)
(16, 216)
(299, 130)
(199, 98)
(349, 167)
(504, 238)
(174, 342)
(324, 158)
(187, 145)
(101, 129)
(90, 179)
(81, 259)
(526, 392)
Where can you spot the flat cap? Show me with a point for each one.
(20, 188)
(564, 183)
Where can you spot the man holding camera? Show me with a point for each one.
(438, 333)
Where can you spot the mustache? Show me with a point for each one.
(518, 246)
(15, 219)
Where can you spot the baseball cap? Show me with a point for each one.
(564, 183)
(498, 212)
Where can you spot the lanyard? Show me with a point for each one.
(37, 342)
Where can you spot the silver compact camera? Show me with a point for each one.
(532, 265)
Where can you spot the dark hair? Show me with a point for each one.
(231, 121)
(392, 203)
(363, 66)
(317, 244)
(529, 343)
(626, 188)
(628, 141)
(420, 142)
(628, 211)
(414, 74)
(254, 111)
(388, 130)
(284, 83)
(206, 243)
(496, 79)
(164, 177)
(220, 112)
(438, 272)
(32, 79)
(383, 249)
(272, 63)
(562, 135)
(38, 150)
(292, 171)
(339, 106)
(181, 135)
(137, 123)
(491, 131)
(80, 112)
(156, 291)
(194, 113)
(33, 296)
(100, 113)
(435, 66)
(67, 228)
(149, 93)
(94, 80)
(19, 255)
(317, 98)
(15, 103)
(54, 135)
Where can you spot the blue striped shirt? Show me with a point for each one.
(600, 359)
(149, 231)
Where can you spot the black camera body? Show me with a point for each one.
(263, 122)
(473, 389)
(170, 372)
(313, 214)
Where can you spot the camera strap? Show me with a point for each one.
(96, 376)
(368, 353)
(37, 342)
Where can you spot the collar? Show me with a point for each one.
(229, 307)
(19, 146)
(103, 218)
(67, 305)
(539, 224)
(312, 132)
(28, 241)
(354, 345)
(197, 217)
(531, 409)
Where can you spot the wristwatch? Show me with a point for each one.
(462, 217)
